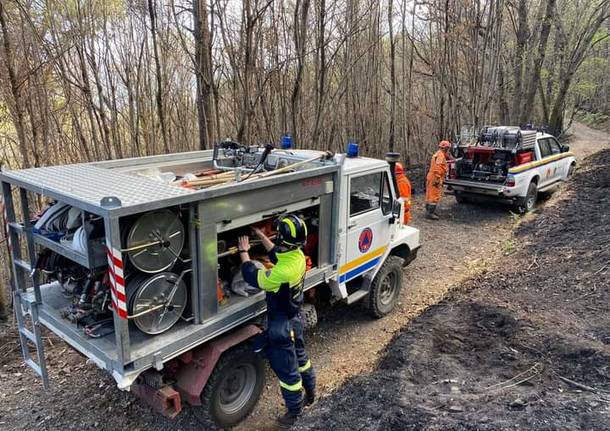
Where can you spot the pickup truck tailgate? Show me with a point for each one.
(475, 187)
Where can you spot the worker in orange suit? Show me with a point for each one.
(436, 178)
(404, 190)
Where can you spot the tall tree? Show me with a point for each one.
(204, 75)
(15, 88)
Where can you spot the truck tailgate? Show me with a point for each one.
(475, 187)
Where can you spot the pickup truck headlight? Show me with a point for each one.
(510, 181)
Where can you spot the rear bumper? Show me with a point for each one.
(489, 190)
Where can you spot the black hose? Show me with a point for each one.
(268, 149)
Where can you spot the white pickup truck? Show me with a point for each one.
(510, 165)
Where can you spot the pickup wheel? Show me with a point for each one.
(232, 390)
(528, 202)
(385, 288)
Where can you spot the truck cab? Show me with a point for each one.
(371, 229)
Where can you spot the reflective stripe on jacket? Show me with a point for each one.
(283, 283)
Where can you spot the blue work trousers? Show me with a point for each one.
(285, 350)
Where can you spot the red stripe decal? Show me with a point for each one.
(115, 260)
(121, 296)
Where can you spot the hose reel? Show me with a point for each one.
(156, 302)
(155, 241)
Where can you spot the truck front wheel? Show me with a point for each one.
(232, 390)
(528, 202)
(385, 287)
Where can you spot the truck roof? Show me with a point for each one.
(350, 164)
(361, 164)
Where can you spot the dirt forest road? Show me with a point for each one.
(346, 342)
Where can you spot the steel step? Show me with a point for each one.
(23, 265)
(17, 227)
(25, 300)
(34, 366)
(28, 334)
(357, 296)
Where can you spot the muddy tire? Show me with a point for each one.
(571, 170)
(308, 316)
(385, 288)
(528, 202)
(232, 390)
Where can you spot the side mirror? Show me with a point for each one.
(397, 210)
(565, 148)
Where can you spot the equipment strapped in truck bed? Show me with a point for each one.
(507, 137)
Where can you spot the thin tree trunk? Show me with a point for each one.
(203, 72)
(159, 77)
(392, 76)
(301, 12)
(15, 89)
(533, 73)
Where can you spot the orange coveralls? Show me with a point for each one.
(436, 178)
(404, 190)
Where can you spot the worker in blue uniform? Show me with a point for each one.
(283, 284)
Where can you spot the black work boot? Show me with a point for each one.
(430, 209)
(310, 397)
(288, 419)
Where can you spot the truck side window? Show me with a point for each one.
(365, 193)
(386, 196)
(545, 149)
(555, 147)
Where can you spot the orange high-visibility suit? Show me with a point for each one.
(404, 190)
(436, 177)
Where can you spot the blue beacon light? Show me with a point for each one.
(286, 142)
(352, 149)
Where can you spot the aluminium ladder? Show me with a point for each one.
(25, 299)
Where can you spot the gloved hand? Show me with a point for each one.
(243, 243)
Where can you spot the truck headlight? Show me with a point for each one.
(510, 181)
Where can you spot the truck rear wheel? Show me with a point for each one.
(528, 202)
(385, 287)
(309, 316)
(232, 390)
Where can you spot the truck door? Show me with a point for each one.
(547, 175)
(368, 223)
(561, 166)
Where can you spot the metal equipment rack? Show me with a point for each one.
(511, 138)
(114, 190)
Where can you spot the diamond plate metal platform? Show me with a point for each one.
(85, 183)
